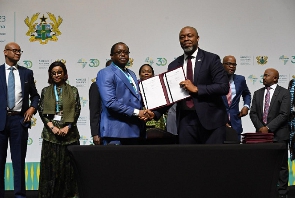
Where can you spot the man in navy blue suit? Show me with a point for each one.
(238, 89)
(15, 115)
(202, 119)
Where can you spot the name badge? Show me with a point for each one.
(57, 117)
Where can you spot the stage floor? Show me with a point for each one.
(34, 193)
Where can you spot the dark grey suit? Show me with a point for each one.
(277, 123)
(279, 110)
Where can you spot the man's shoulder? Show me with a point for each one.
(107, 69)
(258, 90)
(22, 68)
(282, 88)
(206, 53)
(177, 61)
(239, 77)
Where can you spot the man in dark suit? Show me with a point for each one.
(238, 89)
(16, 86)
(121, 101)
(201, 119)
(95, 110)
(269, 113)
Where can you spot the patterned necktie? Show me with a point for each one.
(11, 89)
(266, 105)
(228, 96)
(189, 75)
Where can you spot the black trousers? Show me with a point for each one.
(284, 172)
(191, 131)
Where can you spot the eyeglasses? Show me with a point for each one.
(59, 73)
(230, 64)
(122, 52)
(15, 51)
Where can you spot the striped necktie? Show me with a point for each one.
(229, 95)
(266, 105)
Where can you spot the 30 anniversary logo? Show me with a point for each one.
(43, 31)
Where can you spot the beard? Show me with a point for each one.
(188, 50)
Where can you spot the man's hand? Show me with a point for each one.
(28, 114)
(263, 129)
(96, 140)
(227, 125)
(149, 114)
(187, 85)
(243, 112)
(146, 115)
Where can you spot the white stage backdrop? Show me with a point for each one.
(259, 33)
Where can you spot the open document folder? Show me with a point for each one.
(163, 89)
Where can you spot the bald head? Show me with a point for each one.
(229, 57)
(270, 77)
(11, 45)
(229, 64)
(188, 39)
(12, 53)
(190, 28)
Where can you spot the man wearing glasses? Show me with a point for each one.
(18, 102)
(238, 88)
(121, 101)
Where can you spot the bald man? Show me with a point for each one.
(202, 118)
(18, 102)
(276, 120)
(238, 89)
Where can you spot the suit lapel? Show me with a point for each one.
(3, 79)
(22, 79)
(274, 97)
(260, 94)
(124, 79)
(237, 83)
(136, 84)
(198, 65)
(225, 100)
(180, 61)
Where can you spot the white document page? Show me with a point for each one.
(172, 80)
(152, 93)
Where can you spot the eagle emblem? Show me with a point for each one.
(130, 63)
(261, 60)
(43, 31)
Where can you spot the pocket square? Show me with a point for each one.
(199, 60)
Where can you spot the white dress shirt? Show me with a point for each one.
(194, 55)
(271, 91)
(18, 88)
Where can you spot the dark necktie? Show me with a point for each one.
(189, 75)
(266, 105)
(11, 89)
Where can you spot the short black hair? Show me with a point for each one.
(146, 65)
(113, 47)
